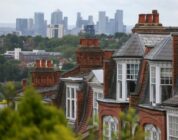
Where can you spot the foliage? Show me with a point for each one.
(130, 119)
(9, 93)
(66, 45)
(33, 121)
(10, 70)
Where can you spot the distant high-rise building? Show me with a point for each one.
(57, 17)
(39, 24)
(79, 20)
(90, 20)
(111, 25)
(65, 23)
(55, 31)
(102, 22)
(119, 26)
(30, 25)
(22, 26)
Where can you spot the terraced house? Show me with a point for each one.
(142, 74)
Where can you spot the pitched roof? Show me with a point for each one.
(132, 47)
(162, 51)
(98, 74)
(135, 46)
(173, 102)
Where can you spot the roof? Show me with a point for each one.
(162, 51)
(98, 74)
(173, 102)
(135, 46)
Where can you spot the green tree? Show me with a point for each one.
(33, 121)
(131, 129)
(9, 93)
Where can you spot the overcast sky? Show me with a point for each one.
(12, 9)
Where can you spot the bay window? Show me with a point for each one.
(127, 75)
(160, 83)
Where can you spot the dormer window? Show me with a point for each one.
(160, 83)
(127, 75)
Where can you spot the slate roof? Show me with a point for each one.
(162, 51)
(135, 46)
(173, 102)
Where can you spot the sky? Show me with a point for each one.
(12, 9)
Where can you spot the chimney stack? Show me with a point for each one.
(89, 42)
(149, 18)
(155, 16)
(141, 19)
(175, 60)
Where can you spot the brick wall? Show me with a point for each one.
(154, 117)
(109, 109)
(175, 59)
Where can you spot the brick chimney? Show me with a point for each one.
(43, 63)
(38, 64)
(49, 64)
(89, 42)
(175, 60)
(141, 19)
(149, 18)
(155, 16)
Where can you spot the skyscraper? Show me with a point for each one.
(79, 20)
(65, 23)
(90, 20)
(22, 25)
(39, 24)
(57, 17)
(102, 22)
(119, 26)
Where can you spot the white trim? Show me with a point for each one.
(168, 115)
(158, 67)
(123, 78)
(71, 99)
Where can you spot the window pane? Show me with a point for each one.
(73, 109)
(68, 108)
(72, 92)
(166, 92)
(68, 92)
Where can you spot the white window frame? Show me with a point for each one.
(99, 95)
(122, 78)
(71, 99)
(168, 126)
(152, 129)
(107, 131)
(157, 82)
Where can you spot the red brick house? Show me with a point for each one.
(142, 79)
(142, 74)
(80, 87)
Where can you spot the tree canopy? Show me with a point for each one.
(33, 120)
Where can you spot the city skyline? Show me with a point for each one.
(131, 9)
